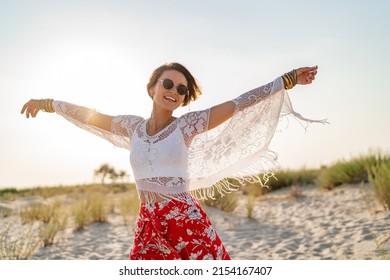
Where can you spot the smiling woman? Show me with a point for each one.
(178, 159)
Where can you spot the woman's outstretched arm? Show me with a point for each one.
(82, 114)
(224, 111)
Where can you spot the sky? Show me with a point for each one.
(100, 54)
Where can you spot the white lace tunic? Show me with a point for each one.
(186, 156)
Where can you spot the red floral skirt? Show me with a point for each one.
(174, 229)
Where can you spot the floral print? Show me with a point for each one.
(175, 230)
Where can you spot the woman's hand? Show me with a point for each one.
(306, 75)
(32, 107)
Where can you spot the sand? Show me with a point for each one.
(338, 224)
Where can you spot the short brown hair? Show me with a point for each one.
(193, 88)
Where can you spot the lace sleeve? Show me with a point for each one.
(194, 123)
(256, 95)
(122, 127)
(239, 147)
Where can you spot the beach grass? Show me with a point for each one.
(250, 206)
(51, 191)
(287, 178)
(80, 204)
(97, 208)
(91, 208)
(352, 171)
(379, 178)
(18, 246)
(48, 232)
(128, 206)
(80, 214)
(40, 212)
(225, 202)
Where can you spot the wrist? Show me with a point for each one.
(47, 105)
(290, 79)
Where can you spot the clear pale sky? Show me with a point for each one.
(100, 54)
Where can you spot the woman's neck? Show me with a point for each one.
(158, 121)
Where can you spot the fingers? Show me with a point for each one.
(29, 112)
(310, 77)
(313, 68)
(23, 109)
(307, 70)
(26, 109)
(30, 108)
(34, 113)
(310, 73)
(313, 71)
(306, 75)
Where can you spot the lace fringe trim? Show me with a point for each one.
(224, 186)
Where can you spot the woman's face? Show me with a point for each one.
(168, 99)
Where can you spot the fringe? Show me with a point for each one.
(223, 187)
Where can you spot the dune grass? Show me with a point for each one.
(79, 205)
(128, 206)
(19, 246)
(379, 178)
(51, 191)
(41, 212)
(227, 202)
(95, 208)
(287, 178)
(80, 214)
(49, 231)
(351, 171)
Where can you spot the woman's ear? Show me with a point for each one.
(151, 92)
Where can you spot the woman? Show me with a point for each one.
(175, 159)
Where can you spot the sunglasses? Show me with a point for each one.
(168, 84)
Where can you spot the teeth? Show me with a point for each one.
(171, 98)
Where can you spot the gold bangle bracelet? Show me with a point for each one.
(48, 106)
(290, 79)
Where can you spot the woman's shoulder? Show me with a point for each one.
(128, 120)
(194, 117)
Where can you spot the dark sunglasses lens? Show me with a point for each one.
(168, 84)
(182, 90)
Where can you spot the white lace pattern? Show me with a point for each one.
(187, 157)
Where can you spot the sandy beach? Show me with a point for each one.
(338, 224)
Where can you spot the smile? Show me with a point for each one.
(170, 98)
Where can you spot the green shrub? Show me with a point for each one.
(97, 208)
(379, 178)
(227, 202)
(128, 206)
(80, 214)
(250, 206)
(50, 191)
(40, 212)
(287, 178)
(350, 172)
(5, 191)
(90, 208)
